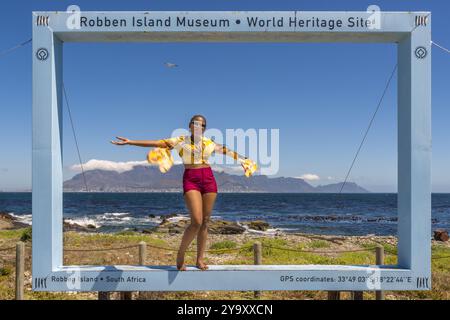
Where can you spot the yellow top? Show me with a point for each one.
(194, 153)
(191, 151)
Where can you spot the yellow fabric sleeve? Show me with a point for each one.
(249, 167)
(171, 142)
(160, 157)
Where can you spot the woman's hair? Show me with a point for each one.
(196, 117)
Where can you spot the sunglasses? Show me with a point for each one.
(198, 124)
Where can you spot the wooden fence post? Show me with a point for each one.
(357, 295)
(334, 295)
(142, 258)
(103, 295)
(126, 295)
(257, 257)
(142, 252)
(20, 267)
(379, 257)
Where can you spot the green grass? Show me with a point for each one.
(318, 244)
(442, 264)
(126, 233)
(26, 235)
(440, 267)
(5, 271)
(223, 245)
(11, 234)
(363, 257)
(107, 239)
(388, 248)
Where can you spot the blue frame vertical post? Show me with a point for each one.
(47, 179)
(414, 151)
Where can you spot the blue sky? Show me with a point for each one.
(320, 96)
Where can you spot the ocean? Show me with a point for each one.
(328, 214)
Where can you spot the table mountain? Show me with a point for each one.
(149, 179)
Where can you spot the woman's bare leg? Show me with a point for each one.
(202, 235)
(193, 199)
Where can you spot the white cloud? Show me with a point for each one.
(109, 165)
(230, 169)
(120, 167)
(117, 166)
(309, 177)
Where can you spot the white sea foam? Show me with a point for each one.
(111, 219)
(156, 219)
(24, 218)
(270, 231)
(119, 218)
(125, 218)
(178, 218)
(114, 216)
(287, 229)
(83, 222)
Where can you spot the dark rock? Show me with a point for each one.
(148, 231)
(441, 235)
(151, 216)
(214, 227)
(176, 229)
(9, 222)
(257, 225)
(78, 228)
(6, 216)
(225, 227)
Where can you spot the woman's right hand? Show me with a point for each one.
(123, 141)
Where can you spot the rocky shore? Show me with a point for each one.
(174, 224)
(9, 222)
(100, 248)
(171, 224)
(216, 226)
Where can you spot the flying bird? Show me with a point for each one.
(171, 65)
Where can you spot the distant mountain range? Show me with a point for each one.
(150, 179)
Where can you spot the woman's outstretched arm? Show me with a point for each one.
(141, 143)
(248, 165)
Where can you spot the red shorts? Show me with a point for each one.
(201, 179)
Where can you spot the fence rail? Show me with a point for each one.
(7, 249)
(136, 246)
(379, 249)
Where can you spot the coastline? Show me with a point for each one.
(97, 248)
(116, 222)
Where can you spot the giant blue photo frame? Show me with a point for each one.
(411, 31)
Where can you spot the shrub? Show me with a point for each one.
(319, 244)
(26, 235)
(4, 271)
(226, 244)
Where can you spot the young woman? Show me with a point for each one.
(199, 184)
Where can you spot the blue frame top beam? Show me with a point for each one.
(223, 26)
